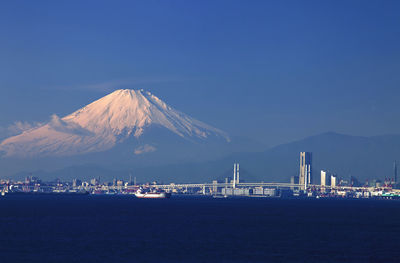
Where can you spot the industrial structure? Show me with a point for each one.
(236, 178)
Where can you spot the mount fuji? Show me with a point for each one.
(130, 122)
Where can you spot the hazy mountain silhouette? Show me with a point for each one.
(345, 155)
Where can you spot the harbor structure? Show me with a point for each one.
(236, 179)
(305, 175)
(330, 186)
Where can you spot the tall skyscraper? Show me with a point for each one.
(305, 176)
(395, 172)
(323, 178)
(333, 181)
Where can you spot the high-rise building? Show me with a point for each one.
(333, 181)
(324, 178)
(305, 176)
(395, 172)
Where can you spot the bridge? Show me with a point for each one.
(172, 186)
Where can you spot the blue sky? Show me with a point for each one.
(274, 71)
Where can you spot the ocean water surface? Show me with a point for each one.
(87, 228)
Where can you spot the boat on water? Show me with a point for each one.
(152, 194)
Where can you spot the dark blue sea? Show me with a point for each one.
(62, 228)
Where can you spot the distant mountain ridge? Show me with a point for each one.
(105, 123)
(344, 155)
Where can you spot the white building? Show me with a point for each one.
(333, 181)
(323, 178)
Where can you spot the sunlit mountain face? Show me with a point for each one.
(135, 118)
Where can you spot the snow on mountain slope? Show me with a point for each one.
(104, 123)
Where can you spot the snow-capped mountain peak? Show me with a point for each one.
(104, 123)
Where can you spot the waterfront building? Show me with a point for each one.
(258, 190)
(305, 175)
(333, 181)
(270, 192)
(94, 181)
(343, 182)
(215, 187)
(323, 178)
(378, 183)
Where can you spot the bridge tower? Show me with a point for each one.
(235, 174)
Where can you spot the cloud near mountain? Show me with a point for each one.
(58, 124)
(144, 149)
